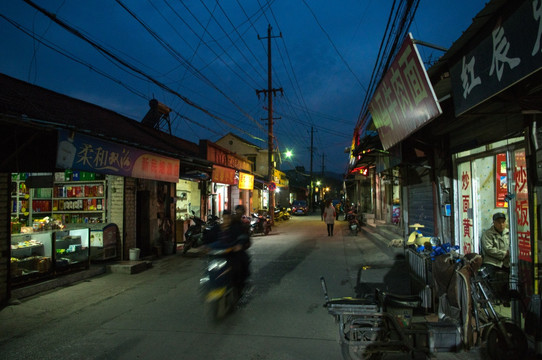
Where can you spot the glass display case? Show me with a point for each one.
(31, 255)
(72, 248)
(103, 241)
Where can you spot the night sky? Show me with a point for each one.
(205, 61)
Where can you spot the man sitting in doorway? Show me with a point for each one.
(496, 252)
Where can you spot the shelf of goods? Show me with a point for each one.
(20, 198)
(31, 255)
(72, 248)
(81, 201)
(44, 253)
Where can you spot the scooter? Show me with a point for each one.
(259, 225)
(194, 233)
(217, 286)
(353, 223)
(375, 323)
(221, 285)
(278, 214)
(200, 232)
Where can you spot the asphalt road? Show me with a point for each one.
(157, 314)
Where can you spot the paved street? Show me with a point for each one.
(157, 314)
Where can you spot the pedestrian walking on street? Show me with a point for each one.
(329, 217)
(322, 208)
(338, 208)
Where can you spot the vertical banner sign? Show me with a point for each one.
(466, 207)
(501, 186)
(525, 266)
(522, 207)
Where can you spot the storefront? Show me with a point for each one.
(81, 183)
(55, 215)
(231, 182)
(486, 178)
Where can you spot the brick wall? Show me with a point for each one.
(129, 230)
(115, 206)
(5, 237)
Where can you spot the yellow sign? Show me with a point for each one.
(246, 181)
(280, 178)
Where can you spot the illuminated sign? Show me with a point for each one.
(223, 175)
(80, 152)
(246, 181)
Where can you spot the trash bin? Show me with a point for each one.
(134, 254)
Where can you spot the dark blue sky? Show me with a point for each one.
(209, 52)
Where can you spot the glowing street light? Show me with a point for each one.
(288, 154)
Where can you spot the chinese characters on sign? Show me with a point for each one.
(522, 207)
(466, 211)
(246, 181)
(503, 57)
(223, 175)
(223, 157)
(404, 100)
(501, 186)
(81, 152)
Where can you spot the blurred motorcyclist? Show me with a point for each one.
(234, 234)
(243, 229)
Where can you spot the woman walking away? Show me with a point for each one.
(329, 217)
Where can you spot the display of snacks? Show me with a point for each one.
(30, 265)
(26, 248)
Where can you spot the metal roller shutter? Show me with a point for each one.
(421, 208)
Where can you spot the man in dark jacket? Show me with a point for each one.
(496, 252)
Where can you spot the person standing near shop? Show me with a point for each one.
(329, 217)
(496, 253)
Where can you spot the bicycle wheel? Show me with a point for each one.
(496, 342)
(360, 337)
(352, 352)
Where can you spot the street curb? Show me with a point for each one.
(384, 243)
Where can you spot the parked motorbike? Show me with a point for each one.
(278, 214)
(259, 225)
(286, 213)
(200, 232)
(375, 323)
(353, 223)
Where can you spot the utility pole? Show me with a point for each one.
(311, 190)
(269, 92)
(323, 156)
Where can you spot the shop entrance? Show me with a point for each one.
(143, 231)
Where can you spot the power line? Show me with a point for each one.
(334, 47)
(103, 50)
(72, 57)
(175, 54)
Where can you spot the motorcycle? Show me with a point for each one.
(200, 232)
(216, 285)
(375, 323)
(222, 283)
(286, 213)
(259, 225)
(353, 223)
(278, 214)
